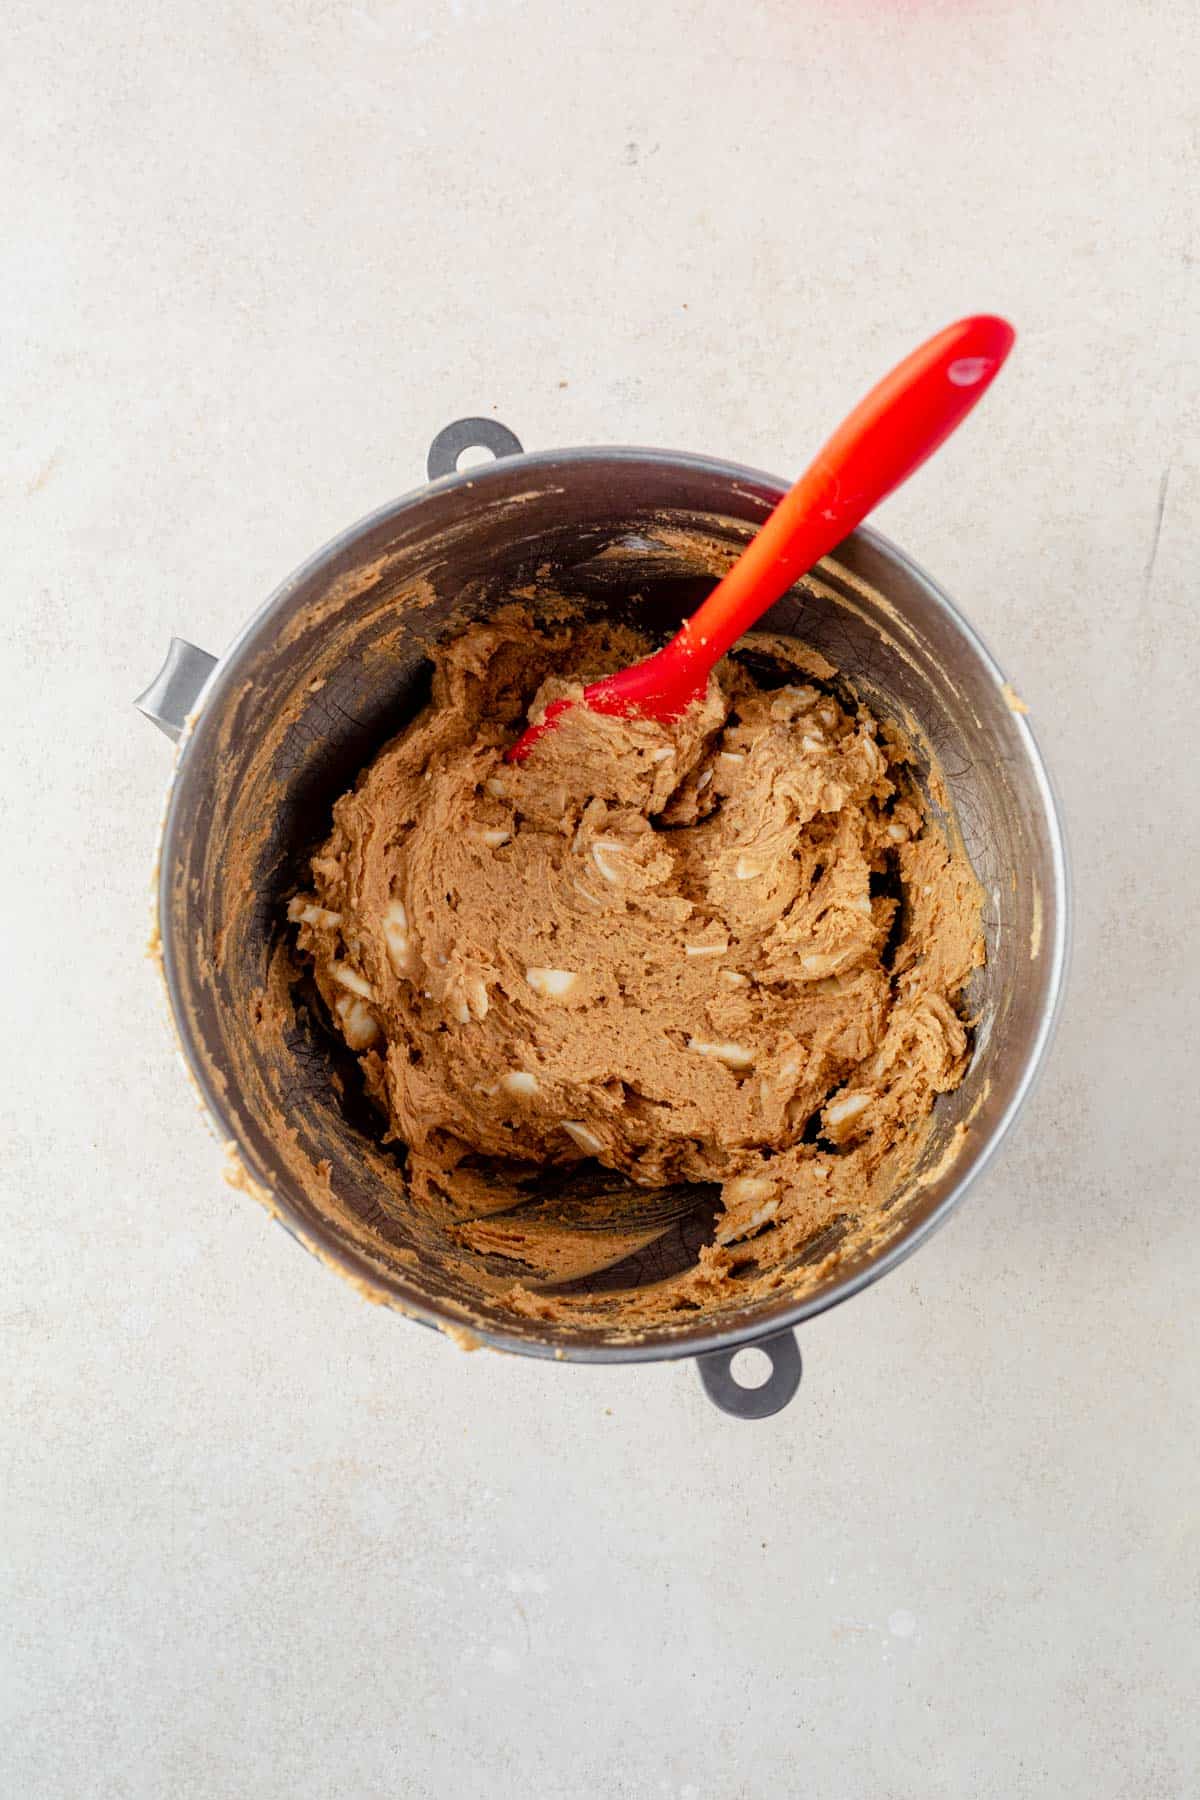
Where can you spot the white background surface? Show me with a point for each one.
(262, 1539)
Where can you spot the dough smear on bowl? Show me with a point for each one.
(731, 949)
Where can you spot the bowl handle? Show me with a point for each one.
(722, 1388)
(469, 434)
(176, 688)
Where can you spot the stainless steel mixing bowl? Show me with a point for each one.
(336, 660)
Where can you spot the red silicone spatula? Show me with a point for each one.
(886, 437)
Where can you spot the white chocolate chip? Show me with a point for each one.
(587, 1140)
(746, 869)
(848, 1107)
(761, 1215)
(732, 756)
(303, 912)
(897, 833)
(496, 788)
(659, 756)
(605, 852)
(551, 984)
(819, 963)
(360, 1027)
(466, 997)
(743, 1190)
(493, 837)
(746, 1189)
(733, 978)
(350, 978)
(705, 949)
(734, 1056)
(827, 715)
(519, 1081)
(704, 780)
(395, 936)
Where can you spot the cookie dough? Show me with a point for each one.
(730, 949)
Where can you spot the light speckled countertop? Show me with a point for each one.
(263, 1539)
